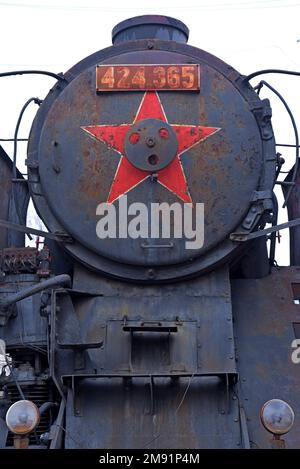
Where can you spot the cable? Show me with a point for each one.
(33, 72)
(13, 139)
(160, 433)
(259, 87)
(262, 4)
(270, 70)
(273, 235)
(285, 145)
(185, 393)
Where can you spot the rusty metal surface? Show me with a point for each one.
(264, 317)
(72, 160)
(129, 421)
(26, 327)
(19, 260)
(199, 309)
(5, 180)
(148, 77)
(156, 363)
(7, 204)
(25, 260)
(142, 370)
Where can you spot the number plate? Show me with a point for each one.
(185, 77)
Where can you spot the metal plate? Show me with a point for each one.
(174, 77)
(151, 145)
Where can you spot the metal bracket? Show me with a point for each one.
(252, 216)
(263, 116)
(261, 195)
(261, 201)
(76, 397)
(265, 197)
(150, 327)
(6, 312)
(244, 428)
(155, 246)
(229, 378)
(58, 236)
(257, 234)
(79, 352)
(152, 398)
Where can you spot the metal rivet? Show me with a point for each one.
(150, 142)
(151, 273)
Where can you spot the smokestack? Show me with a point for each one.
(150, 27)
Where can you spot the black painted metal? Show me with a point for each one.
(209, 167)
(264, 314)
(150, 27)
(8, 209)
(151, 152)
(167, 360)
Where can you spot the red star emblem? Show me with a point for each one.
(127, 175)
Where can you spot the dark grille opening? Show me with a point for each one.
(37, 393)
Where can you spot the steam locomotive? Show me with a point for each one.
(154, 315)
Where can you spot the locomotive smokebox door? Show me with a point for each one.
(142, 124)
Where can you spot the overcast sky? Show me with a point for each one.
(55, 34)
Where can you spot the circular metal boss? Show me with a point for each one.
(151, 144)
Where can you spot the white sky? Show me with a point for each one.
(55, 34)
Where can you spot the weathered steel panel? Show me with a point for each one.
(264, 314)
(118, 416)
(8, 201)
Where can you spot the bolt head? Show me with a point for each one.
(150, 142)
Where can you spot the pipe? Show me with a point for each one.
(58, 280)
(46, 406)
